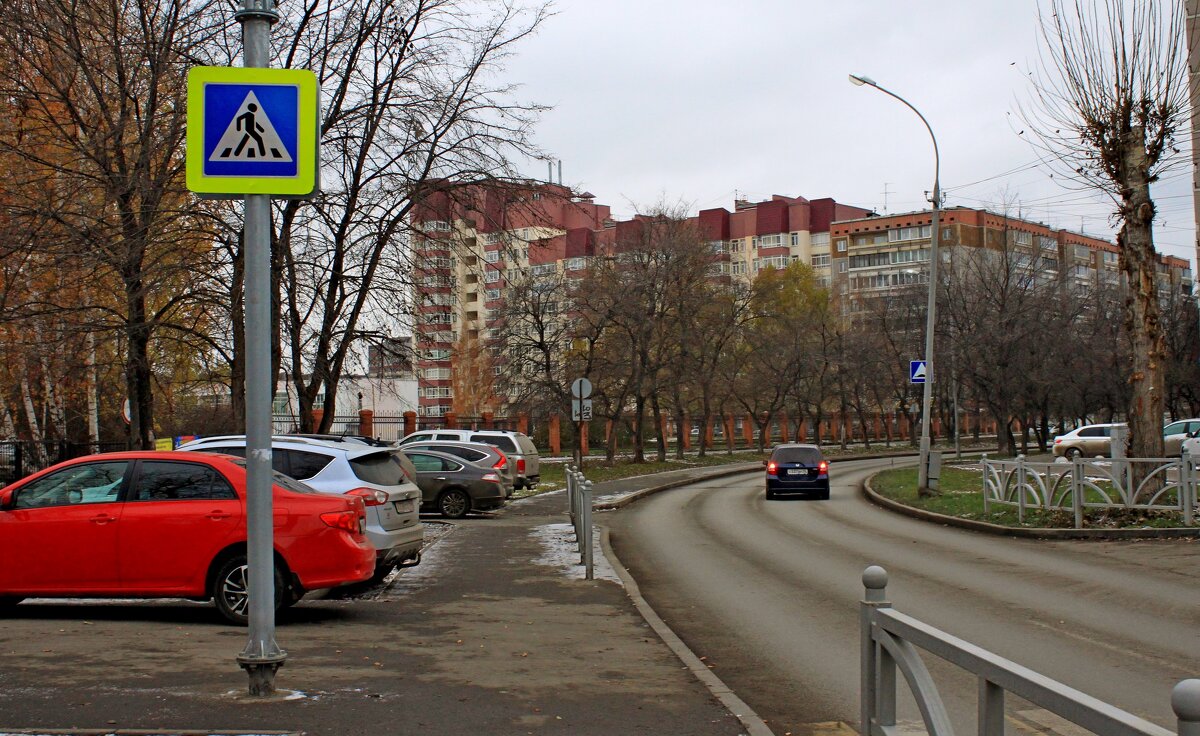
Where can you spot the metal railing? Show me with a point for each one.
(1168, 484)
(579, 507)
(890, 640)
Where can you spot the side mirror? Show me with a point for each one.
(7, 499)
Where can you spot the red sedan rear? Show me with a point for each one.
(169, 524)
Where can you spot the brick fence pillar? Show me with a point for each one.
(748, 430)
(555, 438)
(685, 432)
(366, 422)
(783, 427)
(523, 423)
(451, 420)
(410, 422)
(317, 415)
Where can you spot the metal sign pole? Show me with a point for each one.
(262, 656)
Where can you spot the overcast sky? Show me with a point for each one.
(688, 101)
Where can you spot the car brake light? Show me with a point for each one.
(521, 465)
(370, 496)
(491, 477)
(771, 467)
(823, 467)
(347, 521)
(502, 462)
(1058, 440)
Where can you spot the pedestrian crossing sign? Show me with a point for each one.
(252, 131)
(917, 371)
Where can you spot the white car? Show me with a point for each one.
(392, 499)
(1192, 447)
(1175, 433)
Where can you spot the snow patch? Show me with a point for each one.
(560, 550)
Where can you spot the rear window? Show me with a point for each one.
(806, 455)
(496, 440)
(378, 468)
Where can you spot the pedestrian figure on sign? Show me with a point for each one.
(248, 123)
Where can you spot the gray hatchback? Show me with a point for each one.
(453, 486)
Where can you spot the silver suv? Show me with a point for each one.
(391, 497)
(516, 445)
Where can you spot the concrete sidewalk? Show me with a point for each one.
(480, 638)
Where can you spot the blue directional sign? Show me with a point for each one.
(252, 131)
(916, 371)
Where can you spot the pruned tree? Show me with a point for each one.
(1110, 100)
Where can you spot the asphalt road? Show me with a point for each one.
(768, 592)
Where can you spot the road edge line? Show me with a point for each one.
(755, 725)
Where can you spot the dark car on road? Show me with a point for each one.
(797, 470)
(453, 486)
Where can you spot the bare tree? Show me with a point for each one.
(1110, 100)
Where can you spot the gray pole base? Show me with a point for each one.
(262, 672)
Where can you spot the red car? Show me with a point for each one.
(169, 525)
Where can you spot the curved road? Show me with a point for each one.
(768, 593)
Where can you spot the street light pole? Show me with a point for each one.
(931, 310)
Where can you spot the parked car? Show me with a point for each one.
(169, 524)
(453, 486)
(1090, 440)
(486, 455)
(392, 500)
(1192, 446)
(349, 438)
(797, 469)
(516, 445)
(1175, 433)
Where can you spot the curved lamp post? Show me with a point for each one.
(931, 311)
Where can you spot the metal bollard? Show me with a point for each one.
(586, 500)
(1187, 487)
(1021, 488)
(1185, 701)
(877, 675)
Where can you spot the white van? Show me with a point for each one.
(519, 448)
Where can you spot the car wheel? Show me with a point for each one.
(231, 594)
(1071, 453)
(454, 503)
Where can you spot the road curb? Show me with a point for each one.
(751, 721)
(1023, 532)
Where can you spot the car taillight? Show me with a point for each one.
(521, 465)
(502, 462)
(823, 467)
(491, 477)
(370, 496)
(347, 521)
(771, 467)
(1058, 440)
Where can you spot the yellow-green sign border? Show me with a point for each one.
(304, 183)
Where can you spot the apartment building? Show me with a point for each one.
(473, 241)
(877, 255)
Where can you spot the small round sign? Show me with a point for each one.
(581, 388)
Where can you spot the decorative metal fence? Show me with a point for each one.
(892, 641)
(1166, 484)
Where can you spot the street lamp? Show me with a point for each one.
(931, 311)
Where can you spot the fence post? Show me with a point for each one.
(987, 500)
(570, 475)
(1077, 491)
(586, 499)
(873, 701)
(1185, 701)
(1021, 488)
(1187, 487)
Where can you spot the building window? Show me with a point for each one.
(1020, 237)
(841, 245)
(908, 233)
(795, 238)
(436, 226)
(842, 266)
(770, 241)
(437, 374)
(491, 256)
(821, 261)
(575, 264)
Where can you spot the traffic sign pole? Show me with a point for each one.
(262, 657)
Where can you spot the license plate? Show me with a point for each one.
(797, 471)
(405, 507)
